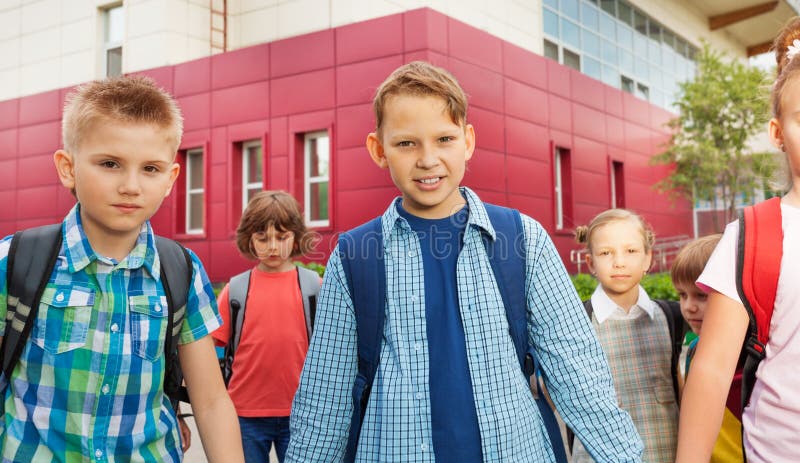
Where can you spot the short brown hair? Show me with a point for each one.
(583, 233)
(125, 99)
(692, 258)
(273, 208)
(419, 78)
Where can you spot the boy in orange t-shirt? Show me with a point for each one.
(274, 336)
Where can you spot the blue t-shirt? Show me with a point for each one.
(454, 421)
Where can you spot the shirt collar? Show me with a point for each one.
(604, 307)
(477, 217)
(79, 253)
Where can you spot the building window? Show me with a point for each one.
(113, 34)
(252, 170)
(562, 180)
(617, 181)
(195, 191)
(316, 161)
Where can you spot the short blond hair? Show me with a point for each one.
(584, 233)
(420, 78)
(125, 99)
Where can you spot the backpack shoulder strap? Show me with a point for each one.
(587, 304)
(361, 254)
(176, 276)
(309, 289)
(32, 256)
(237, 302)
(758, 263)
(507, 256)
(677, 330)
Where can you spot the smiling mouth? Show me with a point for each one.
(429, 181)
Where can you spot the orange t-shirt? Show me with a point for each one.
(273, 344)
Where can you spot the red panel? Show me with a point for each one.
(637, 166)
(225, 261)
(614, 101)
(615, 128)
(474, 45)
(240, 104)
(354, 123)
(199, 247)
(558, 78)
(486, 170)
(529, 177)
(369, 39)
(585, 122)
(489, 129)
(371, 202)
(559, 112)
(356, 83)
(484, 87)
(217, 223)
(218, 155)
(304, 53)
(526, 139)
(524, 66)
(304, 92)
(23, 224)
(8, 175)
(493, 197)
(562, 139)
(38, 203)
(589, 155)
(161, 221)
(589, 188)
(659, 142)
(425, 29)
(218, 187)
(637, 138)
(636, 109)
(196, 110)
(38, 139)
(659, 118)
(240, 66)
(162, 76)
(356, 170)
(65, 201)
(248, 131)
(279, 139)
(8, 144)
(526, 102)
(538, 208)
(192, 77)
(588, 91)
(36, 171)
(41, 107)
(278, 173)
(437, 59)
(9, 114)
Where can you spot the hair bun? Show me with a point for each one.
(784, 46)
(581, 234)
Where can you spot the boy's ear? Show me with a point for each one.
(65, 167)
(375, 148)
(174, 170)
(469, 138)
(776, 133)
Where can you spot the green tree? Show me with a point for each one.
(719, 111)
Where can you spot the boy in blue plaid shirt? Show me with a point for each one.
(449, 386)
(89, 383)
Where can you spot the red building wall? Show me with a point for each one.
(521, 104)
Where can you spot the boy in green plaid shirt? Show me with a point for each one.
(89, 383)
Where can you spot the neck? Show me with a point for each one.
(625, 300)
(284, 267)
(108, 243)
(792, 198)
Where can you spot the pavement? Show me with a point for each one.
(195, 454)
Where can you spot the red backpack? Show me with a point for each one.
(758, 264)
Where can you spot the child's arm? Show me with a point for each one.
(574, 365)
(323, 406)
(703, 403)
(213, 410)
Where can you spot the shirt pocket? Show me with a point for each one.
(63, 321)
(148, 324)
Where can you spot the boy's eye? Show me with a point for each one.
(109, 164)
(404, 143)
(682, 295)
(603, 253)
(632, 251)
(446, 139)
(702, 296)
(151, 169)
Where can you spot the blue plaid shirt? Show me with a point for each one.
(397, 425)
(89, 384)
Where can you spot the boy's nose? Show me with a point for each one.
(130, 185)
(427, 158)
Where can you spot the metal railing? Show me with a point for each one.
(664, 252)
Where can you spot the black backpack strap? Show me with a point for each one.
(587, 304)
(507, 256)
(237, 300)
(677, 331)
(32, 256)
(176, 276)
(309, 283)
(361, 254)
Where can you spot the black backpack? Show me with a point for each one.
(31, 258)
(307, 280)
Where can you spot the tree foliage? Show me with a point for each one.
(719, 111)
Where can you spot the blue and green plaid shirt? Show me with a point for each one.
(397, 425)
(89, 384)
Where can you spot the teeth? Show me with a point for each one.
(430, 181)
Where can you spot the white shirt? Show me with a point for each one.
(772, 420)
(605, 308)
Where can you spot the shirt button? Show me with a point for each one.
(418, 346)
(410, 254)
(114, 327)
(423, 447)
(60, 297)
(413, 298)
(418, 395)
(98, 453)
(157, 308)
(105, 389)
